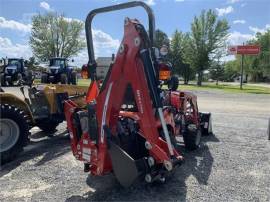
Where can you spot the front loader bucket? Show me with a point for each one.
(124, 166)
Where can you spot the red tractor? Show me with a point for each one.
(130, 124)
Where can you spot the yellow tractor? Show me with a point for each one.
(40, 105)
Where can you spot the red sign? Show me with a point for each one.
(248, 50)
(232, 50)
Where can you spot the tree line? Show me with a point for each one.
(190, 53)
(194, 52)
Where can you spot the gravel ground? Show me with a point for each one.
(232, 165)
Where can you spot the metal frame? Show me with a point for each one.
(93, 13)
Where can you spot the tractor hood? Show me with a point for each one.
(54, 67)
(11, 69)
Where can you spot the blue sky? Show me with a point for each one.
(246, 17)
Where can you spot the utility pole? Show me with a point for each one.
(242, 71)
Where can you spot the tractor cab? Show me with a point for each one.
(14, 65)
(59, 70)
(57, 64)
(14, 71)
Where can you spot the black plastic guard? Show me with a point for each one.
(124, 166)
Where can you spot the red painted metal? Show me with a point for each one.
(127, 69)
(248, 50)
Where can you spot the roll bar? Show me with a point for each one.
(91, 15)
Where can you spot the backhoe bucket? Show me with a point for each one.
(124, 166)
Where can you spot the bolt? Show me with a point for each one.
(148, 178)
(151, 161)
(148, 145)
(162, 179)
(137, 41)
(122, 48)
(168, 165)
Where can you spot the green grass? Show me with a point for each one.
(84, 82)
(228, 88)
(207, 86)
(81, 82)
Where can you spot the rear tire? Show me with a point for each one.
(14, 132)
(3, 80)
(206, 124)
(44, 78)
(63, 79)
(173, 83)
(192, 137)
(29, 78)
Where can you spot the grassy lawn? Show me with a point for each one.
(207, 86)
(84, 82)
(81, 82)
(228, 88)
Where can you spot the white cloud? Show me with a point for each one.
(261, 30)
(150, 2)
(45, 6)
(7, 48)
(243, 5)
(233, 1)
(104, 45)
(237, 38)
(227, 58)
(179, 0)
(14, 25)
(224, 11)
(239, 22)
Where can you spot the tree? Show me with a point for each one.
(217, 71)
(54, 35)
(31, 63)
(180, 55)
(176, 54)
(161, 39)
(258, 67)
(231, 70)
(208, 35)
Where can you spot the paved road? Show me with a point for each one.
(232, 165)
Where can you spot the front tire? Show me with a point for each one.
(192, 137)
(14, 132)
(63, 79)
(29, 78)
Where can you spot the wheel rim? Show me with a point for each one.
(9, 134)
